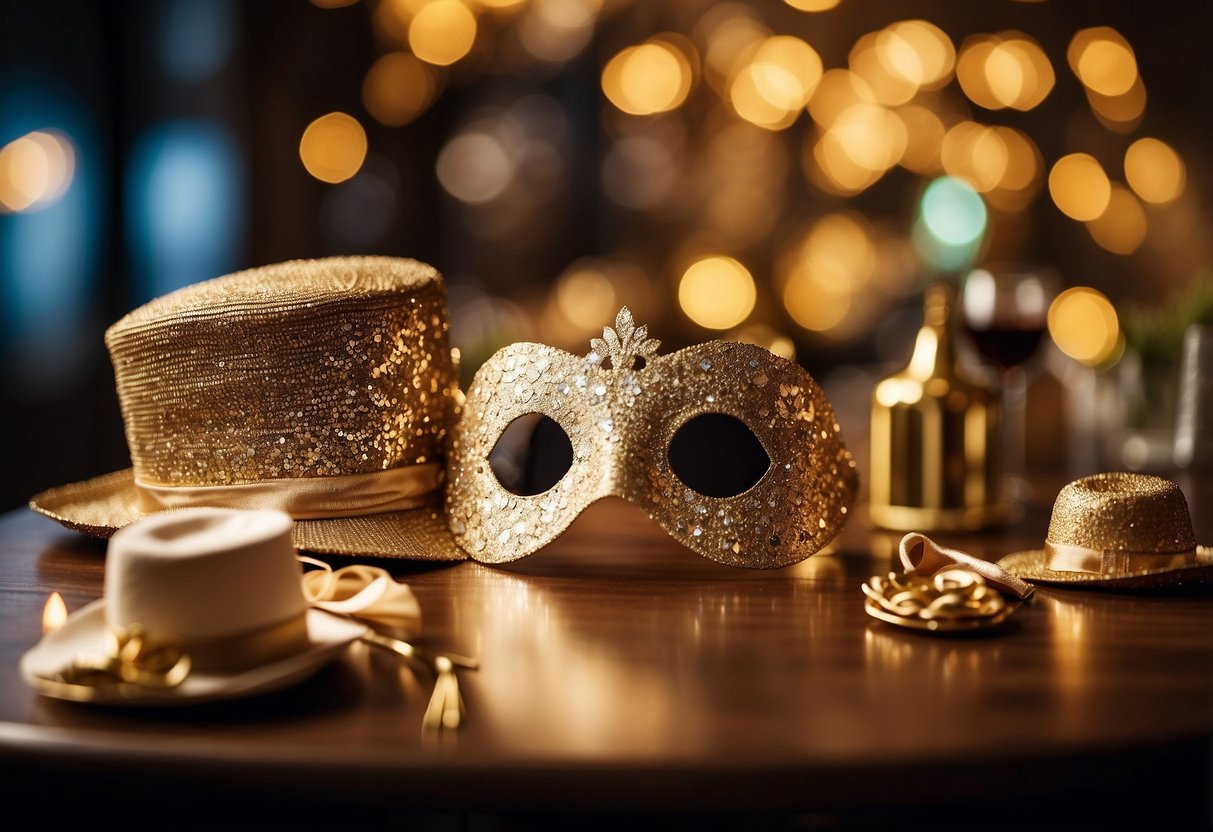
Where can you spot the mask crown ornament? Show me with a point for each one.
(621, 408)
(626, 346)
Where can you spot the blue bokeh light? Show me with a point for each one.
(185, 206)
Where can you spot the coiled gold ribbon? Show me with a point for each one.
(953, 598)
(132, 660)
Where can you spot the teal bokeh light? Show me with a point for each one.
(951, 224)
(952, 212)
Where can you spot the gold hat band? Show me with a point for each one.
(306, 498)
(1064, 557)
(133, 660)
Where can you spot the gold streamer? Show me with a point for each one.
(370, 593)
(446, 709)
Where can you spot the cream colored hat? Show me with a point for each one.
(199, 604)
(322, 388)
(1117, 531)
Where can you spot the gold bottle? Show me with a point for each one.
(936, 437)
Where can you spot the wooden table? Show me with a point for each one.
(624, 674)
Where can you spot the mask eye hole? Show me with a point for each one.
(531, 456)
(717, 455)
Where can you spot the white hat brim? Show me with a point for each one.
(84, 633)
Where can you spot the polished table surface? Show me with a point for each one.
(621, 672)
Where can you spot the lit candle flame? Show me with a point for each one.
(54, 613)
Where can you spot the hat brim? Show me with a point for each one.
(1032, 566)
(100, 506)
(84, 633)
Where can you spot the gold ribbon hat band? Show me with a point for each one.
(306, 498)
(1064, 557)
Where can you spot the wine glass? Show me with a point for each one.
(1003, 310)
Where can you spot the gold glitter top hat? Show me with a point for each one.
(622, 409)
(1117, 530)
(322, 388)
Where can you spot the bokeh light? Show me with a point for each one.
(442, 31)
(652, 77)
(717, 292)
(1122, 227)
(784, 71)
(817, 295)
(924, 138)
(825, 272)
(1007, 70)
(554, 31)
(1120, 113)
(953, 212)
(35, 170)
(1084, 325)
(585, 296)
(889, 87)
(1079, 186)
(1155, 171)
(917, 51)
(949, 229)
(812, 5)
(333, 147)
(475, 167)
(976, 154)
(1103, 60)
(398, 88)
(766, 337)
(175, 241)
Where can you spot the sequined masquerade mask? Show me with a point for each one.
(651, 429)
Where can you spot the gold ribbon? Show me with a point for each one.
(306, 498)
(955, 593)
(132, 662)
(371, 594)
(955, 598)
(366, 592)
(920, 555)
(1065, 557)
(943, 590)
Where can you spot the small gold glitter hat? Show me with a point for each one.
(322, 388)
(1117, 530)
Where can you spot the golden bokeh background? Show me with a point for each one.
(788, 172)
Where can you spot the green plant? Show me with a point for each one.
(1156, 332)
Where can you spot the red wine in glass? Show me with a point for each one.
(1003, 313)
(1007, 343)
